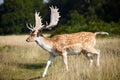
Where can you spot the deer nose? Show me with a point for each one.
(27, 40)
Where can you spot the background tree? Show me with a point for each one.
(88, 15)
(15, 14)
(76, 15)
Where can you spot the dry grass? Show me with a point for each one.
(26, 61)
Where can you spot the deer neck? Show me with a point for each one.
(44, 43)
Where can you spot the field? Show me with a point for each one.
(20, 60)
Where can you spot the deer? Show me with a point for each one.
(63, 44)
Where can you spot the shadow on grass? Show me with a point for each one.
(34, 78)
(32, 66)
(27, 65)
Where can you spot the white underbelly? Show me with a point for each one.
(73, 52)
(73, 49)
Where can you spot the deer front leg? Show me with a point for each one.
(48, 64)
(64, 56)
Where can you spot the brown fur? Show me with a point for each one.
(86, 39)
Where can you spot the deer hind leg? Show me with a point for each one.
(97, 52)
(89, 57)
(64, 56)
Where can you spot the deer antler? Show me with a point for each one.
(53, 21)
(29, 27)
(38, 24)
(38, 21)
(54, 17)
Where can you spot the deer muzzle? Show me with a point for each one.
(27, 40)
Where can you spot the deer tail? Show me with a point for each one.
(101, 33)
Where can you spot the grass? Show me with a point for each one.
(20, 60)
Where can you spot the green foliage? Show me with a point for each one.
(87, 15)
(75, 18)
(76, 15)
(93, 26)
(16, 13)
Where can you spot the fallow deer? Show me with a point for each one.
(61, 45)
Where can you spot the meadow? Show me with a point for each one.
(20, 60)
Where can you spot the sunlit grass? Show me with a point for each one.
(22, 60)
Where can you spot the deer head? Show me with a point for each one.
(36, 30)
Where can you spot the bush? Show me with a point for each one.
(94, 26)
